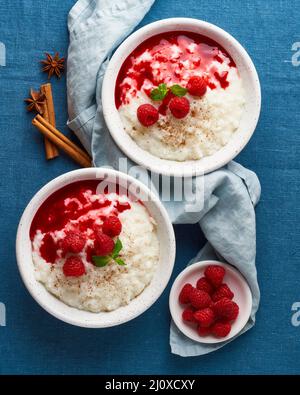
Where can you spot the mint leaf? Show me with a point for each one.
(118, 247)
(163, 89)
(159, 93)
(101, 261)
(178, 90)
(120, 261)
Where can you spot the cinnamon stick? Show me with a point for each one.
(49, 114)
(61, 141)
(62, 137)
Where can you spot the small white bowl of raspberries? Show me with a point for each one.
(210, 302)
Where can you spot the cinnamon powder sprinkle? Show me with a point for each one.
(176, 132)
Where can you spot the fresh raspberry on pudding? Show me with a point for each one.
(147, 114)
(103, 244)
(197, 86)
(112, 226)
(179, 107)
(163, 108)
(73, 267)
(74, 241)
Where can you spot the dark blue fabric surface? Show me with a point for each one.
(33, 341)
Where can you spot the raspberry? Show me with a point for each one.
(74, 241)
(205, 317)
(184, 296)
(196, 86)
(147, 114)
(179, 107)
(188, 315)
(226, 308)
(162, 109)
(222, 292)
(103, 244)
(204, 285)
(215, 274)
(112, 226)
(73, 267)
(168, 97)
(203, 331)
(199, 299)
(221, 329)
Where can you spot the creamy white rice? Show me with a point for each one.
(210, 125)
(105, 288)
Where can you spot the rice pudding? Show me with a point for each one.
(180, 96)
(94, 251)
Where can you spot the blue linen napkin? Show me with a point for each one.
(225, 210)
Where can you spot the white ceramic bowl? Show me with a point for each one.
(235, 281)
(248, 121)
(138, 305)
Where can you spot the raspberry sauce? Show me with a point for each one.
(69, 203)
(171, 58)
(48, 248)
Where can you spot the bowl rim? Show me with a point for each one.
(143, 157)
(173, 299)
(23, 237)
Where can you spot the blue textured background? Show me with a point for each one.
(33, 341)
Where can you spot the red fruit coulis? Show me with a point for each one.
(66, 204)
(48, 248)
(171, 58)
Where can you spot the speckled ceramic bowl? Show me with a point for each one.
(247, 124)
(138, 305)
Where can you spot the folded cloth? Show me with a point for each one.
(224, 206)
(228, 223)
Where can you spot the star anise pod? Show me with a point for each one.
(53, 65)
(36, 101)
